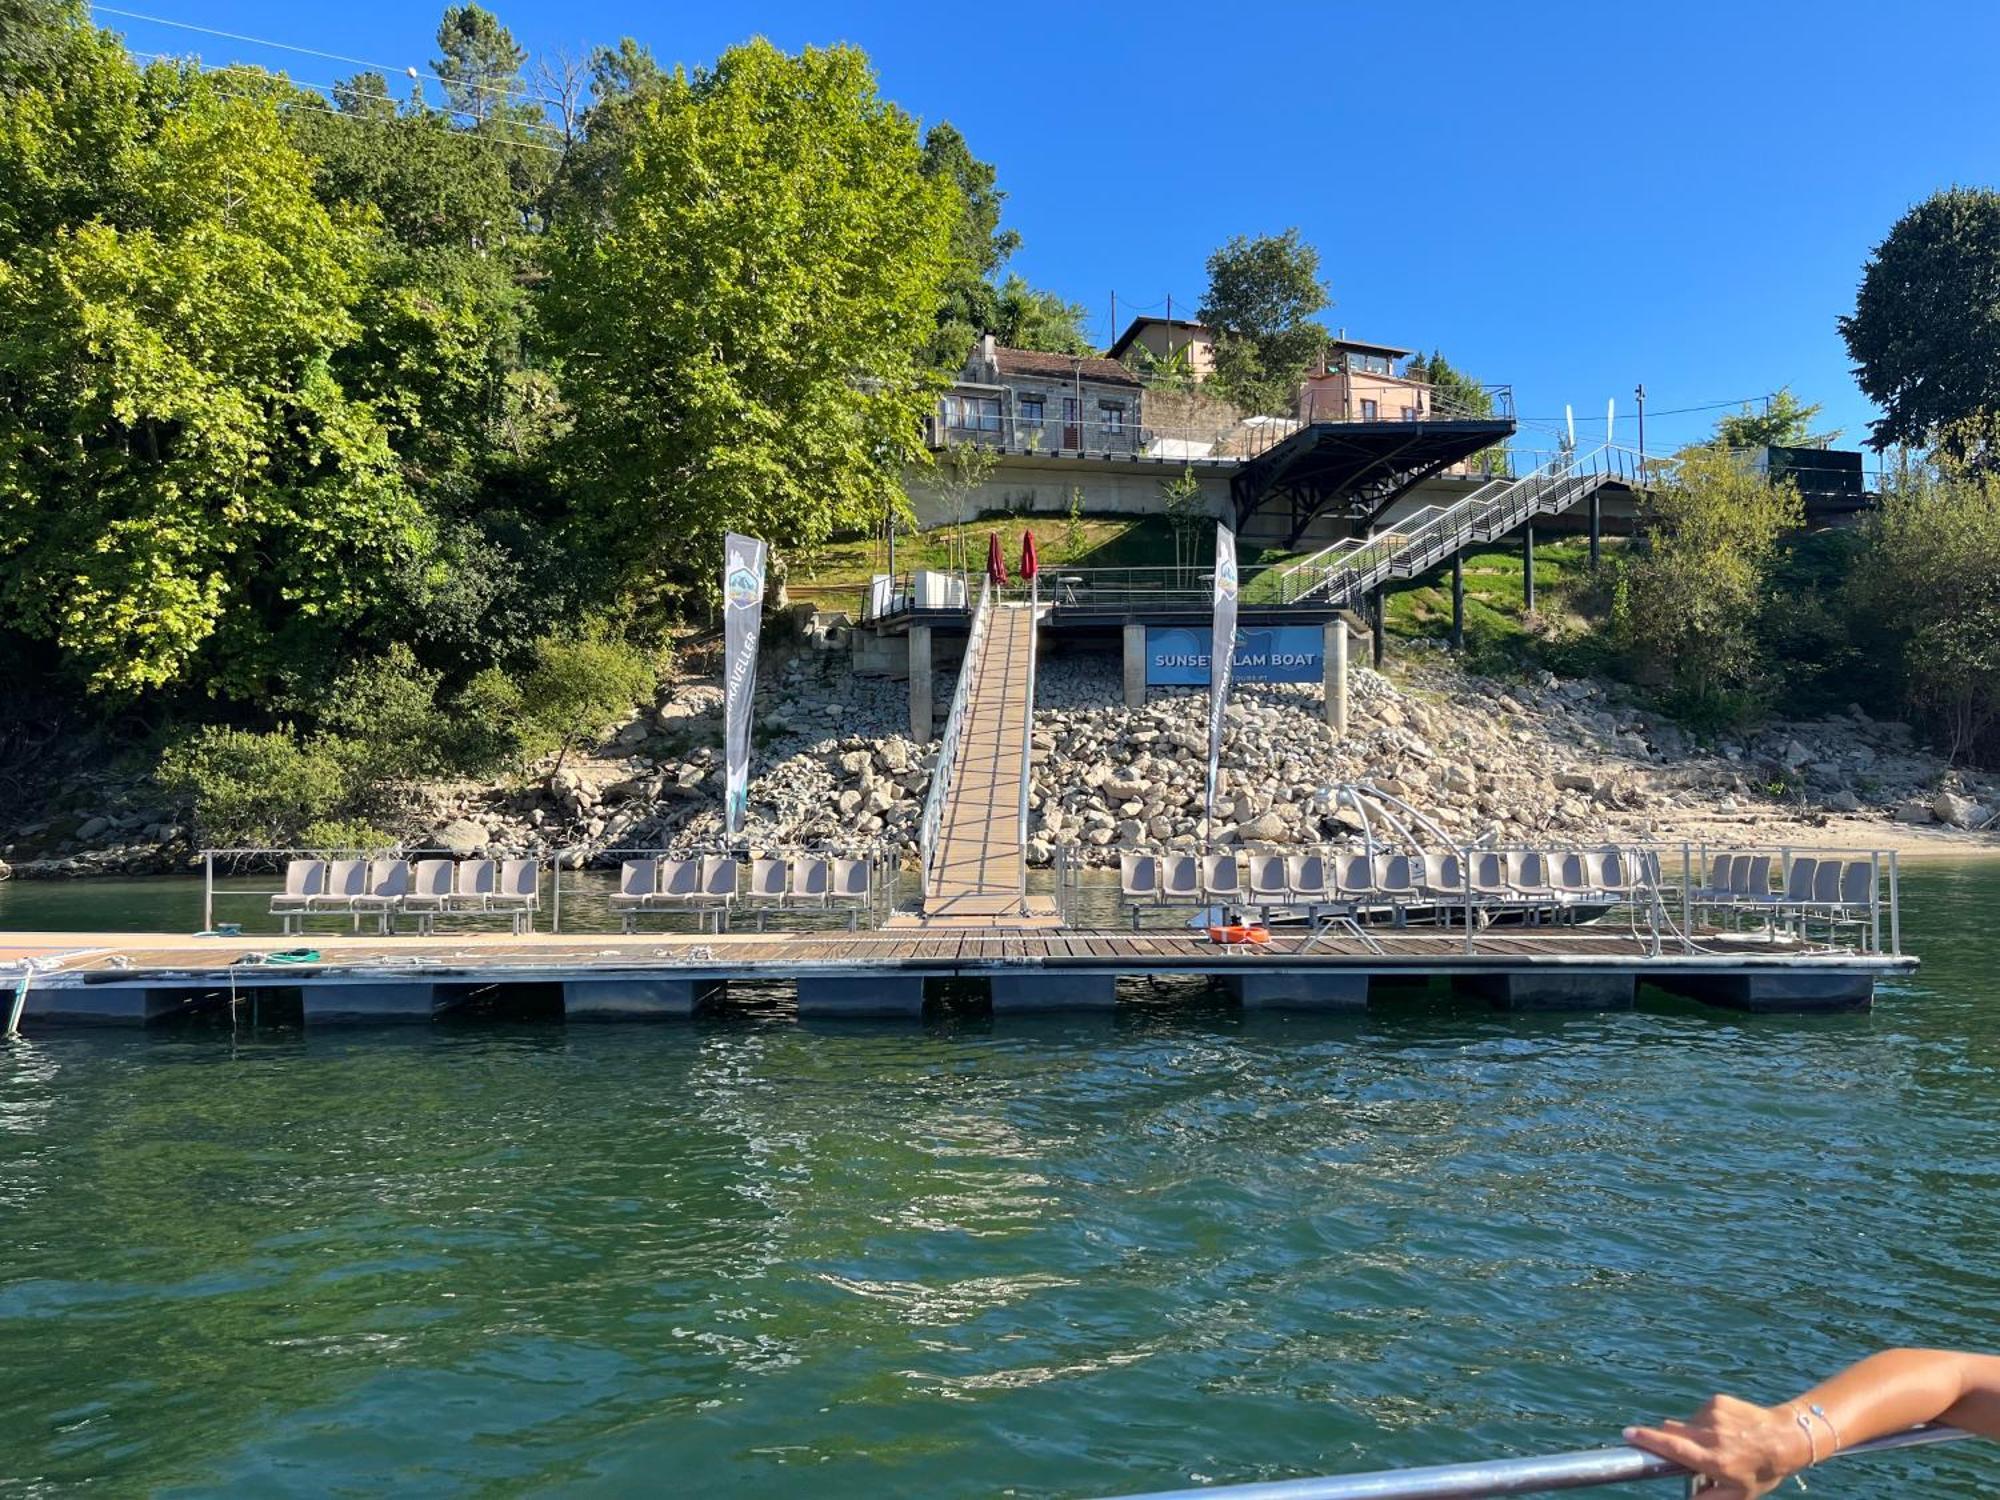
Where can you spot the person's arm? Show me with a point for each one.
(1747, 1450)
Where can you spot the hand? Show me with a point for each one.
(1741, 1450)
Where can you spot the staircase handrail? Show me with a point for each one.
(1028, 725)
(947, 756)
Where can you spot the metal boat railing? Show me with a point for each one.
(941, 773)
(1585, 1469)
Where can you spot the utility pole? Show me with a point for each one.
(1114, 321)
(1640, 391)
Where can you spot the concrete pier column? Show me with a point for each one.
(1135, 664)
(1596, 524)
(1032, 991)
(921, 726)
(1300, 991)
(829, 996)
(1379, 643)
(1528, 569)
(1335, 652)
(1795, 991)
(325, 1001)
(628, 997)
(1555, 989)
(1458, 601)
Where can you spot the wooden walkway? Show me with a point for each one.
(980, 872)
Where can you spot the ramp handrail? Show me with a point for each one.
(947, 756)
(1028, 725)
(1585, 1469)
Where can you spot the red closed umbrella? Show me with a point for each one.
(996, 565)
(1030, 564)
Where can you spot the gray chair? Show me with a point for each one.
(1305, 877)
(388, 883)
(680, 885)
(1269, 886)
(346, 883)
(717, 891)
(1354, 879)
(1138, 882)
(638, 885)
(853, 887)
(1180, 878)
(429, 892)
(518, 892)
(1221, 878)
(473, 884)
(304, 879)
(812, 880)
(767, 886)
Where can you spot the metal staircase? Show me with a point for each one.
(1345, 573)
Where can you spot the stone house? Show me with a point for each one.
(1025, 401)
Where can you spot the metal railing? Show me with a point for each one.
(1028, 727)
(1345, 572)
(1585, 1469)
(941, 772)
(1218, 439)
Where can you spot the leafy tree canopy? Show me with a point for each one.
(745, 322)
(1453, 388)
(1261, 300)
(182, 477)
(1925, 330)
(1785, 421)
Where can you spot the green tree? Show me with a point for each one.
(744, 323)
(1784, 422)
(481, 62)
(1185, 514)
(1925, 330)
(1928, 586)
(187, 494)
(1687, 605)
(577, 687)
(1261, 299)
(1025, 318)
(969, 302)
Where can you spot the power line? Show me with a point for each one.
(359, 62)
(1672, 411)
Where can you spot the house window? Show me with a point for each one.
(972, 413)
(1409, 414)
(1111, 415)
(1031, 411)
(1368, 410)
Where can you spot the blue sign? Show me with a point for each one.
(1177, 655)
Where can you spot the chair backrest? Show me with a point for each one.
(1489, 870)
(1799, 880)
(347, 877)
(1138, 874)
(812, 877)
(638, 877)
(1354, 875)
(1752, 876)
(521, 877)
(1646, 869)
(1180, 876)
(679, 877)
(305, 877)
(718, 875)
(1267, 875)
(767, 878)
(1569, 872)
(1306, 874)
(1826, 882)
(476, 877)
(388, 877)
(1396, 874)
(1857, 883)
(1610, 870)
(1219, 875)
(1528, 869)
(1443, 873)
(432, 877)
(1719, 870)
(850, 879)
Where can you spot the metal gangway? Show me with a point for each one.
(974, 836)
(1347, 572)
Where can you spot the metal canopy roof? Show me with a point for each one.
(1358, 468)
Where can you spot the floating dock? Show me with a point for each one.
(137, 979)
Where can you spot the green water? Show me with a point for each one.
(1034, 1258)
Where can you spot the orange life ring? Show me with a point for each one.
(1242, 932)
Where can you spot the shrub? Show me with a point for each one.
(386, 708)
(256, 790)
(577, 687)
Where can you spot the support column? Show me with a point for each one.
(1596, 523)
(1033, 991)
(844, 997)
(1318, 990)
(1335, 653)
(1135, 664)
(1458, 601)
(1528, 569)
(1376, 649)
(921, 725)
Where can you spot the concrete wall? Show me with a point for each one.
(1040, 485)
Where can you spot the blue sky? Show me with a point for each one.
(1568, 198)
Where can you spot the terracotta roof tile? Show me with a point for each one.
(1031, 362)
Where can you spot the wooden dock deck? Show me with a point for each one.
(137, 977)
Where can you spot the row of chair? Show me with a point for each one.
(389, 888)
(709, 884)
(1483, 877)
(1810, 887)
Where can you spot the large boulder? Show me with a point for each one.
(461, 836)
(1958, 811)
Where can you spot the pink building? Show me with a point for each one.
(1357, 382)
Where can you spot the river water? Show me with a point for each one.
(1044, 1257)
